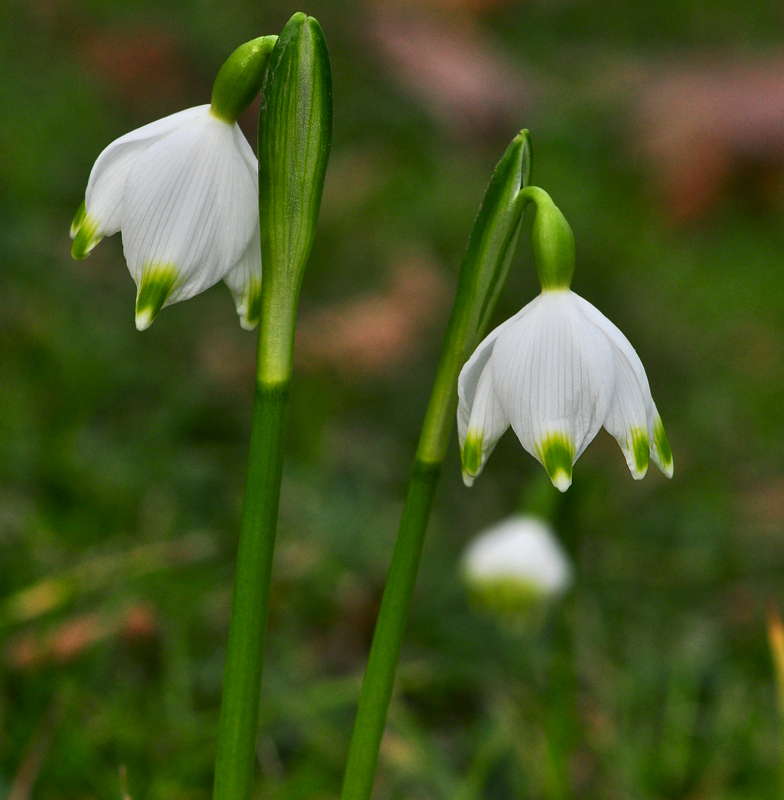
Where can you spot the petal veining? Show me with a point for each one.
(157, 283)
(485, 426)
(106, 186)
(633, 409)
(471, 372)
(191, 202)
(554, 374)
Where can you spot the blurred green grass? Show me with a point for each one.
(653, 677)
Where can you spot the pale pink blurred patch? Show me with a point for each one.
(376, 334)
(709, 127)
(69, 639)
(449, 63)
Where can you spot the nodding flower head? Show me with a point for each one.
(184, 192)
(557, 372)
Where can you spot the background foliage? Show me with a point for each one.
(657, 128)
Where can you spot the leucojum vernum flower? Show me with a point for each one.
(184, 192)
(515, 564)
(557, 372)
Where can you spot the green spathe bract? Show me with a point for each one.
(494, 236)
(295, 133)
(552, 241)
(489, 253)
(240, 78)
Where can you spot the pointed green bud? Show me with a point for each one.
(295, 133)
(552, 240)
(494, 236)
(240, 78)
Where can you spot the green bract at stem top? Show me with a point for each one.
(295, 127)
(489, 253)
(485, 266)
(295, 132)
(240, 78)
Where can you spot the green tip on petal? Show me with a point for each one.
(155, 288)
(471, 456)
(506, 596)
(556, 452)
(249, 308)
(85, 236)
(78, 219)
(662, 445)
(641, 452)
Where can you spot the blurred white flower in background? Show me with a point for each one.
(516, 565)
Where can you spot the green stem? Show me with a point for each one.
(489, 253)
(390, 627)
(234, 766)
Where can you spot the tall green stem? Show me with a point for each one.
(295, 129)
(485, 266)
(234, 766)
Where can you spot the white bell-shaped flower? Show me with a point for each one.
(557, 372)
(183, 191)
(515, 562)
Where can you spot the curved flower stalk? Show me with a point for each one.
(183, 190)
(557, 372)
(516, 564)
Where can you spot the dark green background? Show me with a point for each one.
(122, 454)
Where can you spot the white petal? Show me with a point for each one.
(485, 426)
(105, 188)
(633, 408)
(555, 377)
(661, 454)
(244, 280)
(468, 380)
(248, 156)
(190, 204)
